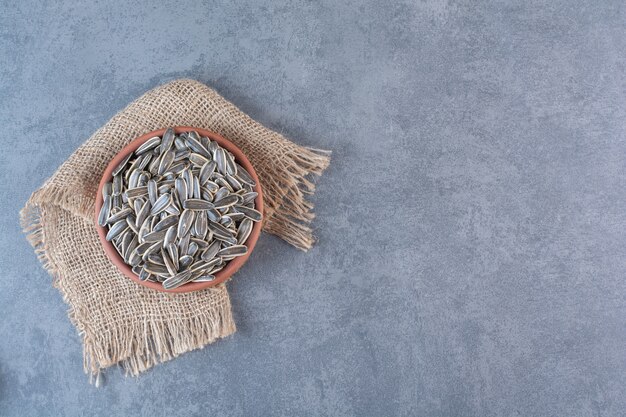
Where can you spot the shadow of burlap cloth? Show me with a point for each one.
(121, 322)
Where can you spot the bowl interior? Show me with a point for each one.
(232, 265)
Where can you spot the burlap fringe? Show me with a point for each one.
(30, 220)
(161, 342)
(157, 341)
(292, 222)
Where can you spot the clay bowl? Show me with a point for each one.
(232, 265)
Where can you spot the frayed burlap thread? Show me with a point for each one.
(119, 321)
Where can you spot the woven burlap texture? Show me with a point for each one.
(121, 322)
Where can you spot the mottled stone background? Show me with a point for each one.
(471, 226)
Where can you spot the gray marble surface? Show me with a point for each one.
(471, 226)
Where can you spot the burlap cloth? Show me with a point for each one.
(121, 322)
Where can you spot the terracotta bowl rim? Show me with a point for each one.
(233, 265)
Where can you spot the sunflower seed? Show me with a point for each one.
(244, 176)
(211, 186)
(172, 251)
(142, 214)
(117, 185)
(249, 197)
(144, 230)
(197, 204)
(233, 182)
(161, 204)
(185, 223)
(221, 193)
(122, 164)
(213, 215)
(166, 161)
(211, 251)
(218, 268)
(201, 225)
(220, 160)
(168, 140)
(193, 142)
(156, 258)
(180, 144)
(167, 183)
(107, 189)
(134, 259)
(177, 168)
(156, 268)
(250, 213)
(133, 179)
(153, 193)
(172, 210)
(169, 264)
(142, 247)
(197, 159)
(235, 250)
(116, 201)
(148, 145)
(124, 241)
(143, 161)
(193, 248)
(155, 236)
(197, 193)
(132, 223)
(234, 216)
(154, 166)
(204, 278)
(219, 230)
(181, 189)
(144, 274)
(226, 220)
(183, 244)
(116, 229)
(204, 266)
(105, 211)
(202, 243)
(205, 172)
(119, 215)
(185, 261)
(230, 240)
(245, 228)
(143, 180)
(182, 154)
(223, 183)
(206, 142)
(188, 176)
(170, 236)
(165, 223)
(154, 248)
(136, 192)
(177, 280)
(226, 201)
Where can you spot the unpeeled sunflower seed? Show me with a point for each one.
(148, 145)
(185, 223)
(229, 200)
(161, 204)
(235, 250)
(250, 213)
(197, 204)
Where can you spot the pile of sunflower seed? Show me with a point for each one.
(178, 209)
